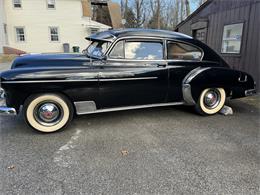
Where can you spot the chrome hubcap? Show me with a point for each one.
(48, 114)
(212, 99)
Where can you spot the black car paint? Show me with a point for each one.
(84, 79)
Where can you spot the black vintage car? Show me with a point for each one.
(120, 70)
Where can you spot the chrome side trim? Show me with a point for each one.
(91, 111)
(86, 80)
(186, 87)
(128, 79)
(192, 74)
(50, 81)
(85, 106)
(187, 96)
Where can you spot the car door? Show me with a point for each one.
(182, 57)
(135, 73)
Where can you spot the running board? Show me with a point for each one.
(89, 107)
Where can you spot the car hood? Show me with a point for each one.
(49, 60)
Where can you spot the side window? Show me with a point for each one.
(143, 50)
(182, 51)
(118, 51)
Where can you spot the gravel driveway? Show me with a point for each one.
(151, 151)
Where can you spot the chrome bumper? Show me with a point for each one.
(250, 92)
(7, 111)
(4, 110)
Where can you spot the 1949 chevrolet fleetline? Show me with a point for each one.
(120, 70)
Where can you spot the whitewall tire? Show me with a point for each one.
(211, 101)
(48, 112)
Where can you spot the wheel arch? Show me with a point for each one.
(61, 93)
(208, 77)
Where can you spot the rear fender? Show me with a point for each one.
(234, 82)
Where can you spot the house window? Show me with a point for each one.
(94, 30)
(20, 35)
(17, 3)
(51, 4)
(54, 34)
(232, 36)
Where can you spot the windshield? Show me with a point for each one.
(97, 48)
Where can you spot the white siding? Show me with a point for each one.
(37, 19)
(2, 21)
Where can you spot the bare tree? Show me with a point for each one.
(139, 12)
(160, 14)
(187, 8)
(155, 19)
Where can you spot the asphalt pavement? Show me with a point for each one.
(169, 150)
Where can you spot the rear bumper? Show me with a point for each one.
(250, 92)
(4, 110)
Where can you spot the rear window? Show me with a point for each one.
(182, 51)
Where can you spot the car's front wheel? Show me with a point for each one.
(211, 101)
(48, 112)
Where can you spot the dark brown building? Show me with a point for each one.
(232, 29)
(103, 11)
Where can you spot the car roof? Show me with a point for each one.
(110, 35)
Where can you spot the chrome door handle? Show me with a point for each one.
(161, 65)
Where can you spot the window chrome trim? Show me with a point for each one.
(183, 42)
(164, 41)
(108, 51)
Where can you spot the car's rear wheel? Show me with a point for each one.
(48, 112)
(211, 101)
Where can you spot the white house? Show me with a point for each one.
(37, 26)
(2, 26)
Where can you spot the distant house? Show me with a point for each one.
(47, 25)
(232, 29)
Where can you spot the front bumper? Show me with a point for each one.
(4, 110)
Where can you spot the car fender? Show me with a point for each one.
(233, 81)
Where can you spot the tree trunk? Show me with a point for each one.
(187, 8)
